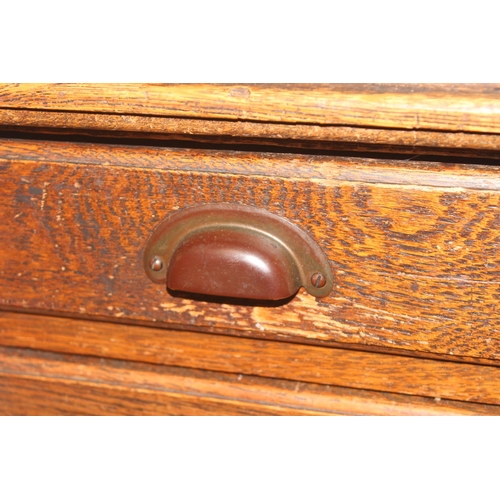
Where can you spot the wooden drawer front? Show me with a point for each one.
(41, 383)
(413, 246)
(440, 382)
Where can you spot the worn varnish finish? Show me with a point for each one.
(413, 245)
(472, 108)
(36, 383)
(278, 360)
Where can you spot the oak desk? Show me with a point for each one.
(398, 185)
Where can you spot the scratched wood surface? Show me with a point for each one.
(413, 245)
(265, 358)
(261, 134)
(472, 108)
(38, 383)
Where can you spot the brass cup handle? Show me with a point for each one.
(238, 251)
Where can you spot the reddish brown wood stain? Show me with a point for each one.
(34, 383)
(413, 246)
(276, 360)
(415, 257)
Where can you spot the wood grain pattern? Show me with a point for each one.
(326, 137)
(278, 360)
(413, 246)
(34, 383)
(462, 108)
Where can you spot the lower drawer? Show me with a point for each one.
(413, 246)
(123, 370)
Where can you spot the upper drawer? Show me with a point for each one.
(412, 245)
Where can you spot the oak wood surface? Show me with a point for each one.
(211, 132)
(36, 383)
(435, 107)
(413, 245)
(279, 360)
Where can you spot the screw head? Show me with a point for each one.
(318, 280)
(155, 263)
